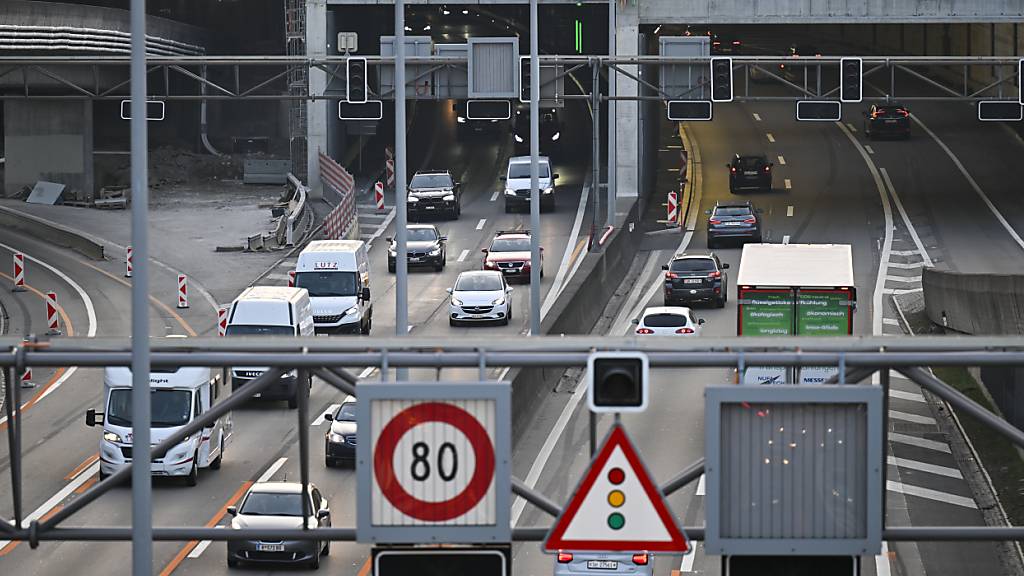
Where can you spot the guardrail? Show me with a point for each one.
(301, 193)
(974, 303)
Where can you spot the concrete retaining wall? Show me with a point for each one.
(975, 303)
(51, 232)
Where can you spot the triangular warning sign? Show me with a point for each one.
(616, 507)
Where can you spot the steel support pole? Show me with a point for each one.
(401, 216)
(612, 108)
(12, 381)
(142, 476)
(302, 391)
(595, 151)
(536, 264)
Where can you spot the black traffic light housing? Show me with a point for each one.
(721, 79)
(851, 87)
(617, 382)
(355, 75)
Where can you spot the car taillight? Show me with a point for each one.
(641, 559)
(680, 331)
(564, 557)
(750, 220)
(903, 113)
(715, 274)
(768, 168)
(671, 275)
(715, 43)
(644, 331)
(714, 221)
(735, 42)
(732, 169)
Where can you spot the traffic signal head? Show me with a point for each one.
(355, 74)
(850, 86)
(721, 79)
(617, 381)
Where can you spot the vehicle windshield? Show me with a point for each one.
(328, 284)
(522, 170)
(748, 162)
(664, 320)
(694, 265)
(170, 407)
(258, 330)
(732, 211)
(347, 412)
(422, 235)
(510, 245)
(478, 282)
(272, 504)
(431, 181)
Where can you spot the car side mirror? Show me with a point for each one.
(635, 321)
(365, 294)
(444, 238)
(502, 177)
(389, 239)
(329, 417)
(484, 250)
(448, 290)
(664, 266)
(233, 510)
(700, 321)
(92, 417)
(555, 176)
(725, 266)
(322, 514)
(510, 289)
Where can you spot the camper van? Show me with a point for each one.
(337, 275)
(177, 397)
(270, 311)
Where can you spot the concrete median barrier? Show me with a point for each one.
(975, 303)
(51, 232)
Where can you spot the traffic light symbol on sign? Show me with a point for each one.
(721, 79)
(616, 498)
(850, 82)
(355, 73)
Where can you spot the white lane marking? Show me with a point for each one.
(770, 137)
(789, 184)
(785, 239)
(905, 253)
(906, 219)
(925, 467)
(323, 417)
(789, 211)
(757, 116)
(380, 229)
(687, 564)
(898, 292)
(560, 278)
(201, 547)
(272, 470)
(494, 197)
(930, 494)
(910, 266)
(890, 322)
(59, 497)
(851, 127)
(367, 371)
(974, 184)
(919, 442)
(480, 224)
(891, 278)
(674, 147)
(904, 395)
(782, 160)
(700, 486)
(869, 149)
(907, 417)
(462, 256)
(882, 561)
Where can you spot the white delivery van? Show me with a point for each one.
(337, 275)
(517, 183)
(271, 311)
(177, 397)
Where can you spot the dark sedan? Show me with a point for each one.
(340, 439)
(696, 278)
(750, 172)
(733, 221)
(425, 246)
(887, 120)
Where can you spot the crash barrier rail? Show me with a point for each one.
(263, 171)
(974, 303)
(858, 358)
(52, 232)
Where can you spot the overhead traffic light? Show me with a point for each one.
(721, 79)
(617, 381)
(355, 74)
(851, 88)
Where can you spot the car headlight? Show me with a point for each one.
(461, 120)
(549, 190)
(336, 438)
(519, 139)
(448, 198)
(510, 192)
(413, 199)
(456, 301)
(498, 301)
(436, 251)
(112, 437)
(556, 136)
(490, 265)
(352, 310)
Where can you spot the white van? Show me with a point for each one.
(337, 275)
(177, 397)
(271, 311)
(517, 183)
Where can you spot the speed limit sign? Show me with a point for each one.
(433, 462)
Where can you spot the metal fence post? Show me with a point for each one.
(535, 266)
(401, 216)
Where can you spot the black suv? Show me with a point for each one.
(890, 119)
(550, 130)
(434, 192)
(696, 278)
(425, 246)
(750, 172)
(733, 220)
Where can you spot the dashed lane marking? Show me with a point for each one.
(757, 117)
(890, 322)
(782, 160)
(907, 417)
(462, 256)
(891, 278)
(788, 183)
(771, 138)
(919, 442)
(925, 467)
(851, 127)
(494, 197)
(930, 494)
(785, 239)
(869, 149)
(789, 211)
(480, 224)
(910, 266)
(269, 473)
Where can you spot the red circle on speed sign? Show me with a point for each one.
(464, 501)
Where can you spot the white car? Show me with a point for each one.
(669, 321)
(480, 296)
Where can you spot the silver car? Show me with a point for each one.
(278, 505)
(480, 296)
(593, 563)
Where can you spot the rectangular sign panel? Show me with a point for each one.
(488, 110)
(765, 313)
(155, 109)
(478, 561)
(682, 110)
(999, 111)
(369, 110)
(824, 313)
(819, 111)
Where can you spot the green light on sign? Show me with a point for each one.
(579, 37)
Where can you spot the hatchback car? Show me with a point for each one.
(425, 246)
(340, 438)
(434, 193)
(696, 278)
(733, 221)
(608, 563)
(509, 253)
(278, 505)
(480, 296)
(750, 172)
(668, 321)
(881, 120)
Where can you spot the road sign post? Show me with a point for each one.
(433, 463)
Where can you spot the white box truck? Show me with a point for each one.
(794, 289)
(337, 275)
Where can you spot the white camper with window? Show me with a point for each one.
(337, 275)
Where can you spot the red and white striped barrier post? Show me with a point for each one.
(390, 164)
(673, 207)
(52, 319)
(378, 194)
(222, 321)
(182, 291)
(291, 278)
(128, 264)
(19, 272)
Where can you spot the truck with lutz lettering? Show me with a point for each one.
(794, 290)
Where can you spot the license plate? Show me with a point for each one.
(479, 316)
(509, 270)
(270, 547)
(602, 565)
(891, 121)
(733, 223)
(429, 207)
(692, 281)
(414, 259)
(750, 173)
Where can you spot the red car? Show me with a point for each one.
(510, 254)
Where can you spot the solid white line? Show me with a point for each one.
(201, 547)
(906, 219)
(925, 467)
(906, 417)
(563, 268)
(674, 147)
(904, 395)
(462, 256)
(890, 322)
(59, 497)
(891, 278)
(272, 470)
(910, 266)
(782, 160)
(480, 224)
(367, 371)
(789, 184)
(930, 494)
(974, 184)
(494, 197)
(323, 417)
(785, 239)
(869, 149)
(757, 116)
(687, 564)
(789, 211)
(700, 486)
(770, 137)
(882, 561)
(897, 291)
(919, 442)
(380, 229)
